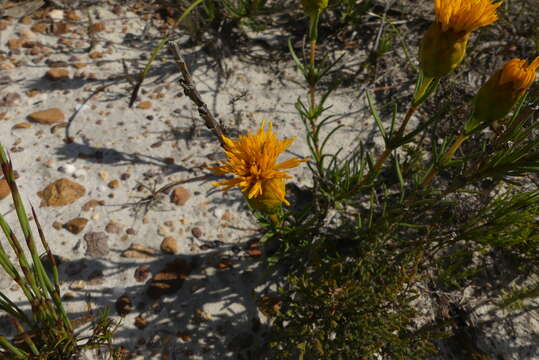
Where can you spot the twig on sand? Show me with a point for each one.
(189, 89)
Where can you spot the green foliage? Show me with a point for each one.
(47, 332)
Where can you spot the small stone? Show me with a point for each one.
(57, 225)
(142, 273)
(253, 248)
(57, 74)
(130, 231)
(56, 14)
(97, 27)
(39, 28)
(201, 315)
(77, 285)
(61, 192)
(16, 43)
(184, 336)
(33, 92)
(68, 169)
(163, 230)
(170, 279)
(76, 225)
(140, 322)
(224, 264)
(197, 232)
(114, 184)
(22, 125)
(97, 244)
(168, 245)
(180, 195)
(144, 105)
(10, 99)
(95, 55)
(103, 175)
(113, 228)
(124, 305)
(138, 251)
(26, 20)
(4, 189)
(79, 65)
(96, 278)
(72, 16)
(92, 204)
(47, 117)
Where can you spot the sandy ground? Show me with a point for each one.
(118, 154)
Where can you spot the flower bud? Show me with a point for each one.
(269, 202)
(314, 7)
(444, 44)
(441, 51)
(501, 92)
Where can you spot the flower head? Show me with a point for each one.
(502, 91)
(465, 16)
(444, 44)
(252, 159)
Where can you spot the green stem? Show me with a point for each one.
(445, 159)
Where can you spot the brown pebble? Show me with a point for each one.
(92, 204)
(114, 184)
(4, 189)
(57, 74)
(144, 105)
(138, 251)
(170, 279)
(180, 195)
(113, 228)
(47, 117)
(140, 322)
(224, 264)
(142, 273)
(76, 225)
(96, 55)
(169, 246)
(57, 225)
(61, 192)
(22, 125)
(197, 232)
(97, 27)
(124, 305)
(130, 231)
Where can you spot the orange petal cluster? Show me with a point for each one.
(519, 74)
(465, 16)
(252, 159)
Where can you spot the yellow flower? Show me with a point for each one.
(314, 7)
(444, 44)
(252, 159)
(504, 88)
(465, 16)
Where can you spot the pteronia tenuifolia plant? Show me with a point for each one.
(419, 213)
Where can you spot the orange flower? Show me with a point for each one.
(465, 16)
(252, 159)
(501, 92)
(444, 44)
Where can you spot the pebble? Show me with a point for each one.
(10, 99)
(163, 230)
(47, 117)
(138, 251)
(76, 225)
(39, 28)
(142, 272)
(61, 192)
(144, 105)
(57, 74)
(180, 195)
(97, 244)
(169, 246)
(197, 232)
(124, 305)
(103, 175)
(68, 169)
(113, 228)
(56, 14)
(140, 322)
(4, 189)
(170, 279)
(91, 204)
(114, 184)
